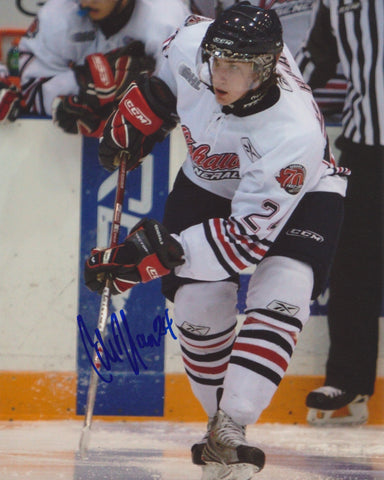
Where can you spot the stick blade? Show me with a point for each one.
(84, 441)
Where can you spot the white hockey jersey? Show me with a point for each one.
(61, 36)
(264, 162)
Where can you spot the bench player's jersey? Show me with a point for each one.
(264, 162)
(61, 36)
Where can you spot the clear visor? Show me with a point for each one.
(262, 65)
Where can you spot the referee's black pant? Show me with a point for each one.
(356, 281)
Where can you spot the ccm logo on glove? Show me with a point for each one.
(137, 113)
(143, 118)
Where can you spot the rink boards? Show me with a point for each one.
(56, 204)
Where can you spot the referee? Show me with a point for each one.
(352, 31)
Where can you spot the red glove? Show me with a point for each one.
(105, 77)
(149, 252)
(75, 117)
(10, 99)
(145, 115)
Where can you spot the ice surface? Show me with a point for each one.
(160, 451)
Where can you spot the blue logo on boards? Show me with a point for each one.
(146, 191)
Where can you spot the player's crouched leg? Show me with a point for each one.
(205, 314)
(278, 306)
(258, 360)
(311, 235)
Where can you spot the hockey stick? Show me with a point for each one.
(103, 312)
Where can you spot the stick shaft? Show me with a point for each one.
(103, 312)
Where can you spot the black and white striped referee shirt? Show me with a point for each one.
(350, 31)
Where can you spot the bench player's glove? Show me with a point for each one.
(72, 116)
(147, 253)
(104, 77)
(145, 115)
(10, 99)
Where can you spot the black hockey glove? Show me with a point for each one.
(145, 115)
(104, 77)
(72, 116)
(10, 99)
(149, 252)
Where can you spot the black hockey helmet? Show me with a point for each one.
(243, 32)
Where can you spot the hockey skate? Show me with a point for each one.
(331, 406)
(227, 455)
(197, 448)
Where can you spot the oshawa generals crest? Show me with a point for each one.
(291, 178)
(216, 166)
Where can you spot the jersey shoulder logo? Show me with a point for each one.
(292, 178)
(189, 76)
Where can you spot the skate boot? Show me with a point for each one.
(227, 454)
(332, 406)
(197, 448)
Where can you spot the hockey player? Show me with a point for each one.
(78, 56)
(10, 97)
(258, 188)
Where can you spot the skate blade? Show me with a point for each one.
(355, 413)
(244, 471)
(216, 471)
(238, 471)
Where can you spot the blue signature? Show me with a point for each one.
(122, 342)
